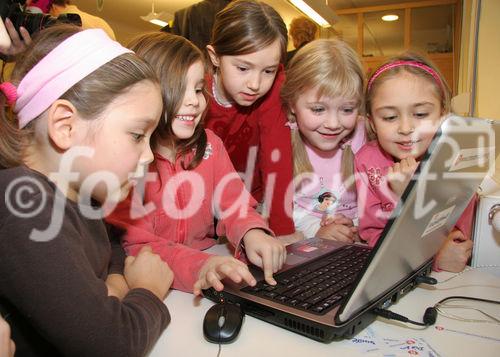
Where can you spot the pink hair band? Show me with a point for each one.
(63, 67)
(10, 92)
(416, 64)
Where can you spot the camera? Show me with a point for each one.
(14, 10)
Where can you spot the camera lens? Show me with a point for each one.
(35, 22)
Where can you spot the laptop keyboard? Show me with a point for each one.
(317, 286)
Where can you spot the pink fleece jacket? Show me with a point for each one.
(176, 215)
(376, 201)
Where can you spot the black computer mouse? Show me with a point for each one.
(222, 323)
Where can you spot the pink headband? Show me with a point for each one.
(416, 64)
(63, 67)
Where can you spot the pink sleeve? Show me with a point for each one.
(184, 261)
(275, 159)
(234, 205)
(372, 210)
(465, 222)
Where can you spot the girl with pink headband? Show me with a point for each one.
(406, 99)
(76, 121)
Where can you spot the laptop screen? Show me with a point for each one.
(459, 157)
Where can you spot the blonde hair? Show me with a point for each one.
(442, 90)
(171, 56)
(247, 26)
(90, 96)
(302, 31)
(335, 70)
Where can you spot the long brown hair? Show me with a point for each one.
(335, 69)
(90, 96)
(246, 26)
(171, 56)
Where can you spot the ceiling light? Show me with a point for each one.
(390, 17)
(159, 19)
(313, 10)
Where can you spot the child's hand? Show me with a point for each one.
(265, 252)
(454, 253)
(400, 174)
(291, 238)
(7, 346)
(217, 268)
(117, 286)
(336, 219)
(338, 227)
(340, 232)
(148, 271)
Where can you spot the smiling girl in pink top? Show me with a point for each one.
(406, 99)
(324, 95)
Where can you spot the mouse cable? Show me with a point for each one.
(431, 313)
(486, 266)
(442, 305)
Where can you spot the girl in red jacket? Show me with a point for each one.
(190, 182)
(247, 49)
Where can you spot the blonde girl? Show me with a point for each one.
(323, 92)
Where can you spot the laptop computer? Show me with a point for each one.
(327, 290)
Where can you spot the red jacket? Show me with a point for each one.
(261, 125)
(181, 222)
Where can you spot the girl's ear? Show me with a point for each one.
(61, 123)
(214, 58)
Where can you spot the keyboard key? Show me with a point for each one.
(305, 305)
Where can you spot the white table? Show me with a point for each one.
(184, 335)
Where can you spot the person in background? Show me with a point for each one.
(89, 21)
(13, 44)
(79, 106)
(302, 31)
(194, 181)
(38, 6)
(247, 51)
(406, 99)
(196, 21)
(323, 92)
